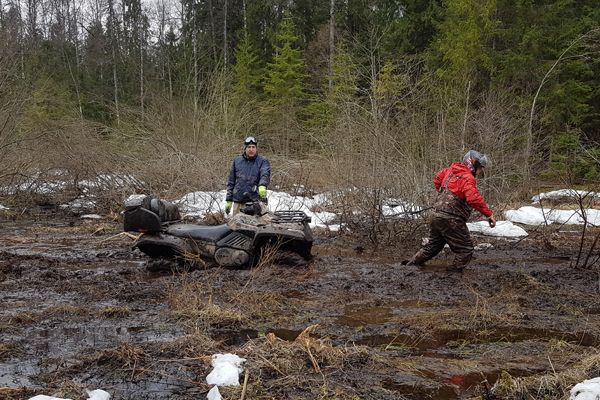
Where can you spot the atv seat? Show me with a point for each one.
(200, 232)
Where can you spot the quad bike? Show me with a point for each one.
(245, 239)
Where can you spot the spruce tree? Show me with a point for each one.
(246, 71)
(285, 75)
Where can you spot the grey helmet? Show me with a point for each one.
(474, 159)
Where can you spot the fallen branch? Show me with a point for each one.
(129, 235)
(245, 386)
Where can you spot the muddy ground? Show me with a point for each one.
(79, 311)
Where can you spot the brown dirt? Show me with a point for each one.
(80, 311)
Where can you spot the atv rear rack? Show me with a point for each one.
(287, 216)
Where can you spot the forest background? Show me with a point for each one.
(368, 94)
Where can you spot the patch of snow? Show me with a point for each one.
(564, 193)
(214, 394)
(586, 390)
(529, 215)
(484, 246)
(226, 370)
(80, 203)
(91, 216)
(51, 182)
(3, 208)
(107, 181)
(400, 208)
(97, 394)
(504, 229)
(44, 397)
(198, 204)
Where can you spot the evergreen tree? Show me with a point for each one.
(246, 71)
(284, 89)
(285, 75)
(461, 43)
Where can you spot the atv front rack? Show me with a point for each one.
(287, 216)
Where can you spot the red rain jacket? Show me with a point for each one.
(463, 185)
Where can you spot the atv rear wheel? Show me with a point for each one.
(290, 258)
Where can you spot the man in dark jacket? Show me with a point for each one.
(457, 196)
(249, 176)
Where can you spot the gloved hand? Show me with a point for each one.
(228, 205)
(262, 192)
(492, 221)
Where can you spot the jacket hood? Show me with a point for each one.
(460, 168)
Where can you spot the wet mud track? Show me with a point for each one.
(79, 311)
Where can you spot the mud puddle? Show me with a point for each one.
(78, 311)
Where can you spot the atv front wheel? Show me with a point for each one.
(162, 264)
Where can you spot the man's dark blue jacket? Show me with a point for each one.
(246, 175)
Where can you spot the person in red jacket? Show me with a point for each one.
(457, 196)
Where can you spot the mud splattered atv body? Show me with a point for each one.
(240, 242)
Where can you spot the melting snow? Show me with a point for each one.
(564, 193)
(586, 390)
(226, 370)
(97, 394)
(503, 229)
(529, 215)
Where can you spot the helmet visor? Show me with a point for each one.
(484, 161)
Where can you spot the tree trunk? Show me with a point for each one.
(331, 39)
(212, 30)
(225, 33)
(245, 16)
(115, 86)
(142, 72)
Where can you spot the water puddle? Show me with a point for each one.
(356, 315)
(240, 337)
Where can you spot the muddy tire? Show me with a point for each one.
(161, 265)
(290, 258)
(168, 265)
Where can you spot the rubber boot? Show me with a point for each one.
(460, 262)
(418, 259)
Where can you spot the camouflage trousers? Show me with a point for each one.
(454, 232)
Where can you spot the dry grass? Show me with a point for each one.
(277, 358)
(24, 318)
(193, 345)
(125, 356)
(7, 393)
(8, 350)
(192, 301)
(275, 366)
(551, 386)
(67, 310)
(263, 305)
(114, 312)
